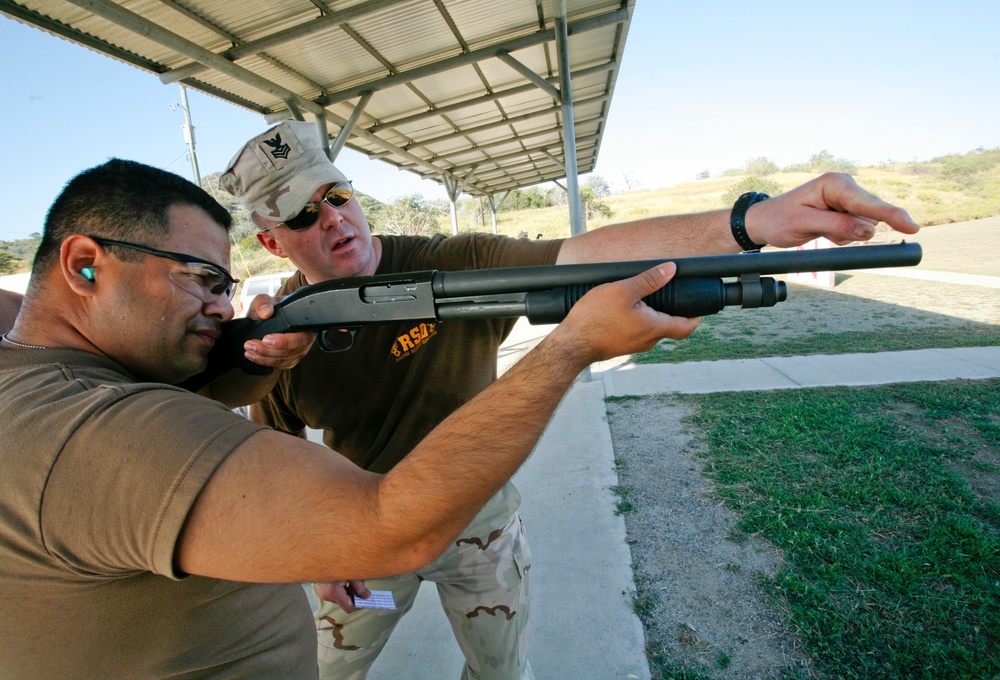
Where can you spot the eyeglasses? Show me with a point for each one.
(338, 195)
(205, 280)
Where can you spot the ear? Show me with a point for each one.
(79, 260)
(271, 244)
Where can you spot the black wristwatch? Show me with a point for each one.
(737, 220)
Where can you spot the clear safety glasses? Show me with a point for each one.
(205, 280)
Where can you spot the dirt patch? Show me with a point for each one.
(982, 473)
(980, 464)
(696, 590)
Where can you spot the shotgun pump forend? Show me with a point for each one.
(543, 294)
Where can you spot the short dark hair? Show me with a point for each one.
(121, 200)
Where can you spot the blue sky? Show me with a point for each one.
(703, 86)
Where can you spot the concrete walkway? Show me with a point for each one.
(584, 627)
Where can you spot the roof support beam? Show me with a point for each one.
(348, 127)
(498, 179)
(553, 158)
(503, 142)
(201, 21)
(530, 75)
(520, 153)
(281, 37)
(135, 23)
(502, 123)
(34, 18)
(482, 54)
(477, 100)
(294, 110)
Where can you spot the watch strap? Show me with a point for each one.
(737, 219)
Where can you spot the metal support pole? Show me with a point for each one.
(324, 135)
(451, 187)
(493, 211)
(454, 191)
(348, 127)
(568, 127)
(189, 137)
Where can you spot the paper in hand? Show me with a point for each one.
(380, 599)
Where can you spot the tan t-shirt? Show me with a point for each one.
(99, 473)
(379, 399)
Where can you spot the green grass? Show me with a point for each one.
(893, 562)
(624, 504)
(703, 346)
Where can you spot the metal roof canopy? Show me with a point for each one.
(467, 93)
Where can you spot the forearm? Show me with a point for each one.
(447, 478)
(831, 206)
(653, 238)
(237, 388)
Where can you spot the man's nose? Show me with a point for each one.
(329, 217)
(220, 308)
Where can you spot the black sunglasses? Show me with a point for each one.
(338, 195)
(203, 279)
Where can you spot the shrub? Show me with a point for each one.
(751, 183)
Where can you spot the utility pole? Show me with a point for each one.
(189, 136)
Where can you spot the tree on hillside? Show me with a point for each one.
(756, 179)
(969, 169)
(824, 161)
(407, 215)
(592, 206)
(371, 206)
(523, 199)
(598, 185)
(761, 167)
(24, 248)
(8, 263)
(210, 183)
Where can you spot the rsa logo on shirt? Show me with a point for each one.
(409, 343)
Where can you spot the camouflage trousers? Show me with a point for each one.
(482, 581)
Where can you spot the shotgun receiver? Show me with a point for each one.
(543, 294)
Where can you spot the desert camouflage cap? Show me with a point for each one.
(277, 172)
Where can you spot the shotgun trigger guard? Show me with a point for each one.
(343, 336)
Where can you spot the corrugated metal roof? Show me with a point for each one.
(450, 88)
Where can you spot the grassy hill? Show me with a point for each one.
(942, 191)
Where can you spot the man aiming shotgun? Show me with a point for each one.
(146, 531)
(375, 403)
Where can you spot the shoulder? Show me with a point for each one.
(94, 392)
(465, 251)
